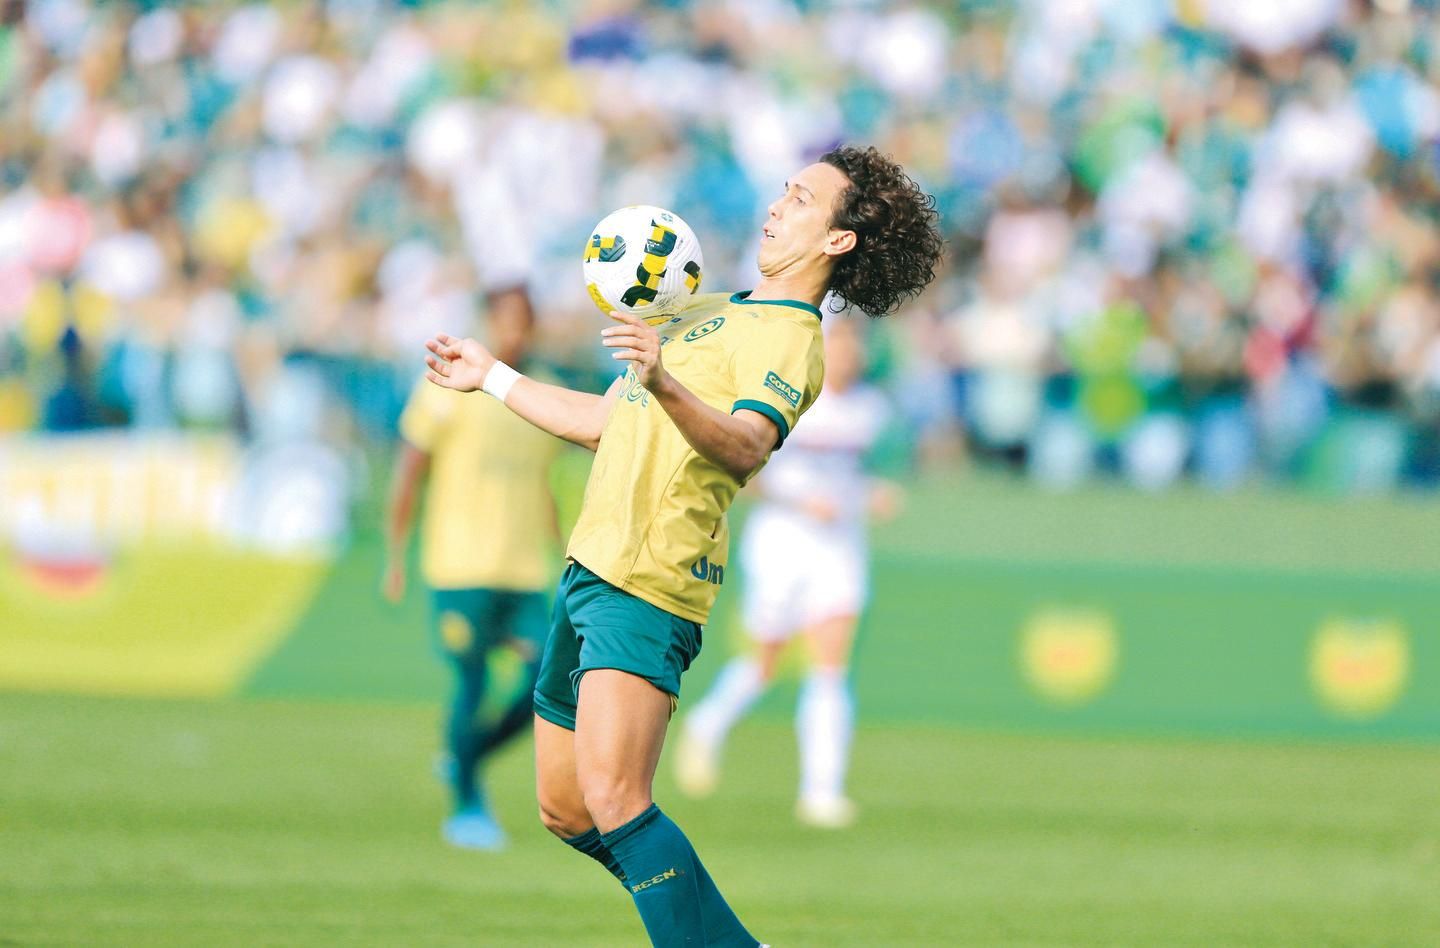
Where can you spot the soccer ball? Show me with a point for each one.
(642, 260)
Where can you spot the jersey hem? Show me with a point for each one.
(655, 599)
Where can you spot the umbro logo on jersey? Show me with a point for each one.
(783, 388)
(706, 571)
(705, 329)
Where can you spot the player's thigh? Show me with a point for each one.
(562, 808)
(525, 622)
(619, 731)
(772, 560)
(832, 600)
(831, 640)
(464, 622)
(554, 686)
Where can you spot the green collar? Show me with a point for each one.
(743, 298)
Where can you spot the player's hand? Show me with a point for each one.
(459, 364)
(887, 500)
(392, 582)
(636, 343)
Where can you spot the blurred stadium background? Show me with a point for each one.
(1154, 656)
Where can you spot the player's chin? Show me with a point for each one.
(770, 261)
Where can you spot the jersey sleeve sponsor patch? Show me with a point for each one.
(778, 374)
(783, 388)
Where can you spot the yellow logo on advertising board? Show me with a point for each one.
(1358, 667)
(1069, 655)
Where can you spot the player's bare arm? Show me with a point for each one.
(737, 443)
(406, 482)
(577, 417)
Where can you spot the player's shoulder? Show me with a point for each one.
(786, 323)
(776, 310)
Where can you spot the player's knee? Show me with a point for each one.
(612, 802)
(562, 823)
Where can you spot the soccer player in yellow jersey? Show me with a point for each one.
(704, 400)
(477, 464)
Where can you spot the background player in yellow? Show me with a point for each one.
(703, 402)
(487, 540)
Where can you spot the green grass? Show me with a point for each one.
(271, 822)
(305, 813)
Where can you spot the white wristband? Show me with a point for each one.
(499, 380)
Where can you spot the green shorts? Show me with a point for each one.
(595, 625)
(471, 622)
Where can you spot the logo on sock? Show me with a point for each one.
(667, 874)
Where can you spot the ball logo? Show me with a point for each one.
(705, 329)
(605, 249)
(1068, 655)
(1358, 667)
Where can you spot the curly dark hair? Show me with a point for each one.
(897, 232)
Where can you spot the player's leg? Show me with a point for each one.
(825, 723)
(736, 689)
(562, 809)
(825, 716)
(456, 638)
(523, 619)
(626, 684)
(465, 624)
(463, 734)
(769, 563)
(620, 729)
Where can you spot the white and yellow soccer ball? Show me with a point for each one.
(643, 260)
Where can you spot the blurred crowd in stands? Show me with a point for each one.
(1188, 238)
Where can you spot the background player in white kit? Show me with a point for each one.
(806, 567)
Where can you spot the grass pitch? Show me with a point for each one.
(275, 822)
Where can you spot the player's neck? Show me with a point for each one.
(804, 288)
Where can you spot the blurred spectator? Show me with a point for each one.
(1186, 237)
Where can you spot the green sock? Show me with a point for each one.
(590, 844)
(675, 896)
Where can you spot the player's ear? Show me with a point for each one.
(839, 241)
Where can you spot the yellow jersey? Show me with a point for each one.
(653, 521)
(489, 515)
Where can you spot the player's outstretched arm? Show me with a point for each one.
(737, 443)
(579, 417)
